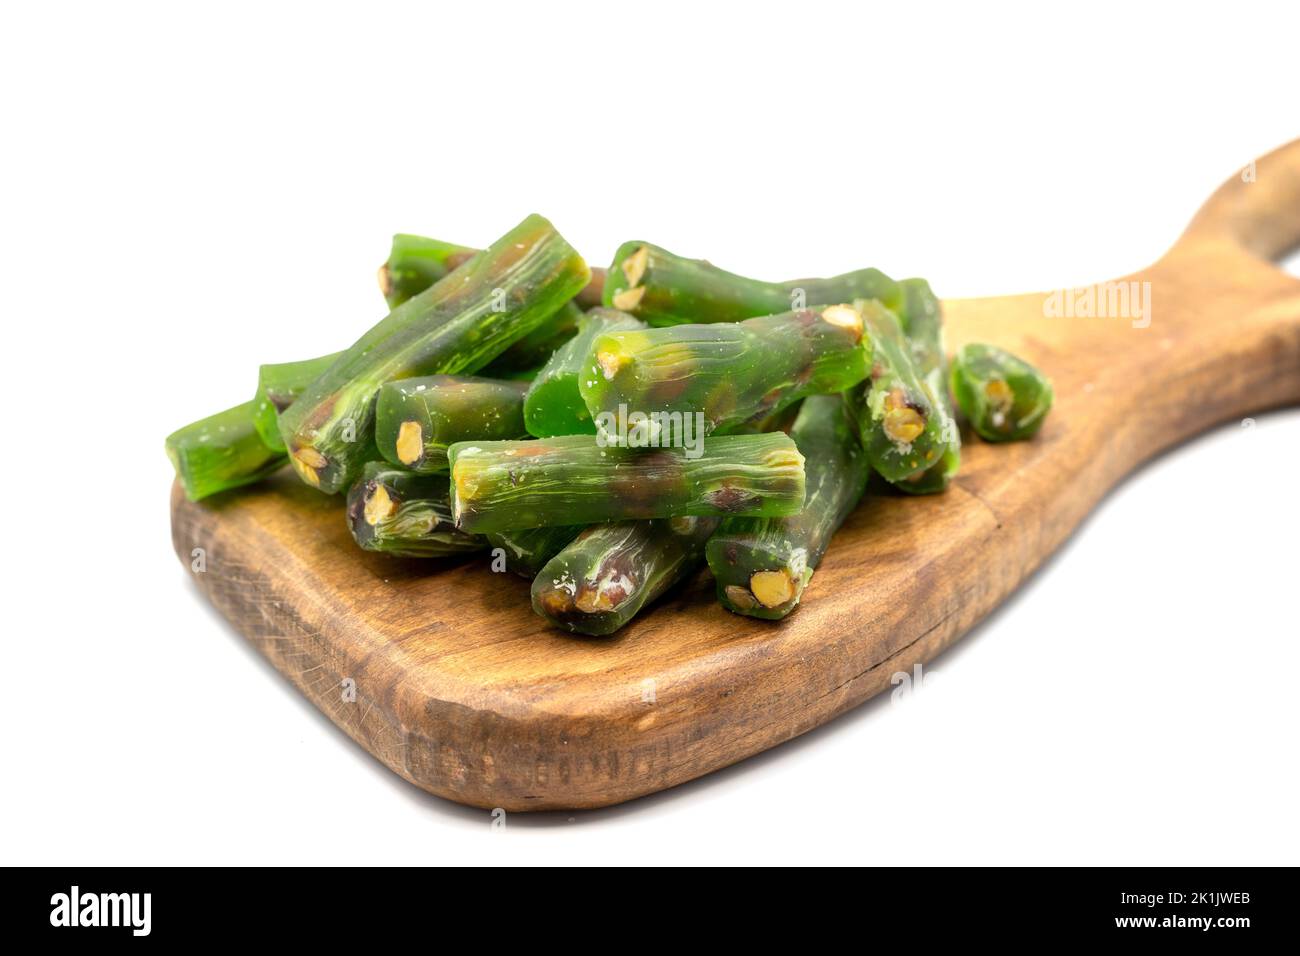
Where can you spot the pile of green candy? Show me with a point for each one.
(604, 432)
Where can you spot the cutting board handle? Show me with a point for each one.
(460, 690)
(1258, 209)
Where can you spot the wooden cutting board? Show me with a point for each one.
(442, 671)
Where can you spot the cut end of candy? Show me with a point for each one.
(628, 299)
(634, 266)
(999, 395)
(410, 443)
(772, 588)
(844, 317)
(308, 462)
(379, 505)
(903, 425)
(610, 363)
(740, 597)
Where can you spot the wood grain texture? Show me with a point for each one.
(463, 691)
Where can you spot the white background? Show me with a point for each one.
(189, 190)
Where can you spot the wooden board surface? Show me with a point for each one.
(463, 691)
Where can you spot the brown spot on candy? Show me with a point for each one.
(319, 415)
(666, 392)
(644, 486)
(683, 524)
(731, 499)
(611, 586)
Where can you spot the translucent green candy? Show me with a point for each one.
(526, 550)
(1004, 397)
(763, 564)
(536, 348)
(400, 513)
(554, 404)
(416, 419)
(610, 571)
(901, 424)
(728, 373)
(415, 263)
(219, 452)
(661, 288)
(457, 325)
(923, 322)
(277, 388)
(572, 479)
